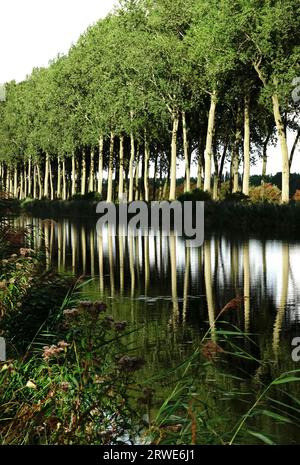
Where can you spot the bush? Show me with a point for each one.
(297, 195)
(265, 193)
(236, 197)
(194, 196)
(89, 196)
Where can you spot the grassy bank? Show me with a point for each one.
(228, 216)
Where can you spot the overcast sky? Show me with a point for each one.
(34, 31)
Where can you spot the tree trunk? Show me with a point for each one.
(39, 182)
(92, 171)
(175, 120)
(246, 177)
(294, 148)
(121, 169)
(137, 177)
(110, 169)
(131, 161)
(51, 181)
(29, 178)
(25, 180)
(64, 192)
(46, 179)
(83, 173)
(100, 165)
(146, 168)
(265, 158)
(58, 189)
(186, 154)
(21, 185)
(73, 189)
(209, 142)
(34, 182)
(235, 154)
(15, 182)
(285, 196)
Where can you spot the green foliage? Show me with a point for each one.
(236, 197)
(195, 195)
(265, 193)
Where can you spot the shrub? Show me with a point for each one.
(297, 195)
(195, 195)
(236, 197)
(265, 193)
(89, 196)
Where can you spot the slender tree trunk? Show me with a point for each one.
(216, 176)
(34, 182)
(137, 176)
(166, 184)
(46, 179)
(64, 192)
(265, 158)
(199, 174)
(21, 185)
(39, 182)
(285, 195)
(121, 169)
(110, 169)
(25, 180)
(186, 154)
(235, 154)
(58, 189)
(83, 173)
(146, 168)
(175, 120)
(131, 161)
(246, 177)
(155, 178)
(100, 165)
(92, 171)
(15, 182)
(209, 142)
(29, 177)
(51, 181)
(73, 189)
(294, 148)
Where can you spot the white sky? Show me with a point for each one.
(34, 31)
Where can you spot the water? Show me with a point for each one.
(173, 293)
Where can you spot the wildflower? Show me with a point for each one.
(40, 429)
(120, 325)
(210, 350)
(14, 255)
(18, 266)
(12, 280)
(128, 363)
(86, 304)
(24, 252)
(70, 312)
(3, 284)
(65, 385)
(100, 306)
(51, 351)
(31, 385)
(63, 344)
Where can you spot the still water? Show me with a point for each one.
(173, 293)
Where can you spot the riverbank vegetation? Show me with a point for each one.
(153, 83)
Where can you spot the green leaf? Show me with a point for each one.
(262, 437)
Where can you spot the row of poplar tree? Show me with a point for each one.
(157, 81)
